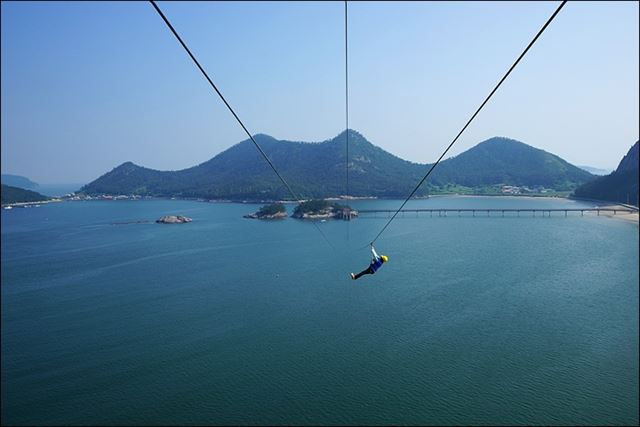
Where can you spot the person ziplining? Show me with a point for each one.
(376, 263)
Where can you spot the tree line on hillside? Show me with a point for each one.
(318, 170)
(20, 195)
(620, 186)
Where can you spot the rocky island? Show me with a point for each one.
(173, 219)
(272, 211)
(323, 209)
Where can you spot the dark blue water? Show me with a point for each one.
(484, 320)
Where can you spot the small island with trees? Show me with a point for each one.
(311, 209)
(271, 211)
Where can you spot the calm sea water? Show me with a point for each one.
(484, 320)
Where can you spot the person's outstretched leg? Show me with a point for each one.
(362, 273)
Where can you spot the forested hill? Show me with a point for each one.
(619, 186)
(240, 172)
(19, 195)
(629, 162)
(318, 170)
(503, 160)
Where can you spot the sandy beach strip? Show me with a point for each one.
(29, 204)
(625, 215)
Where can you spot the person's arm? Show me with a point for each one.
(374, 254)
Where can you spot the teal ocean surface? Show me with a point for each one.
(225, 320)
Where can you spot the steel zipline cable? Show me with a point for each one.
(544, 27)
(346, 106)
(204, 73)
(346, 90)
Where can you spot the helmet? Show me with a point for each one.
(384, 258)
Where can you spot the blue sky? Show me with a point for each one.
(87, 86)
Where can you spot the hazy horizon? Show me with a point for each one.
(105, 83)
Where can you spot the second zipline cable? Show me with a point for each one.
(544, 27)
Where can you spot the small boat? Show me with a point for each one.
(8, 207)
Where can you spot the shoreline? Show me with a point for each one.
(633, 217)
(29, 204)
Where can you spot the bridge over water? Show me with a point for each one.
(488, 212)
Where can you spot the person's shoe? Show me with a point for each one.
(353, 276)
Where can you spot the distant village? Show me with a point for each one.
(505, 189)
(512, 189)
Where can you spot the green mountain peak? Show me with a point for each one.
(319, 170)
